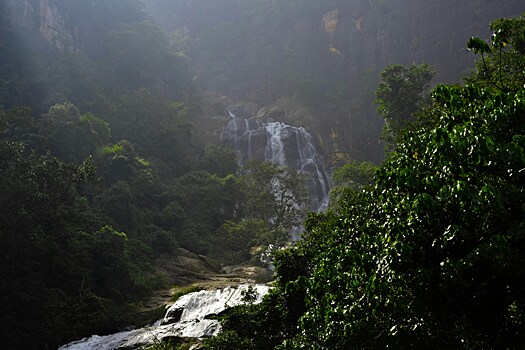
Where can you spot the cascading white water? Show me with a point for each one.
(233, 122)
(249, 139)
(274, 147)
(282, 144)
(186, 318)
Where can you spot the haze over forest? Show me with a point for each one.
(160, 143)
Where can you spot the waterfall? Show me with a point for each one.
(283, 144)
(187, 318)
(274, 151)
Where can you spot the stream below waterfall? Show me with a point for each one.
(188, 317)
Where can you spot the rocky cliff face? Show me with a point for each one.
(52, 25)
(73, 26)
(21, 13)
(37, 16)
(326, 54)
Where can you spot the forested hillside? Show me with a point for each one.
(100, 176)
(112, 167)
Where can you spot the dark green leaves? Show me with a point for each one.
(401, 94)
(502, 63)
(478, 46)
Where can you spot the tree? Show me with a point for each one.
(42, 243)
(268, 202)
(349, 180)
(275, 195)
(416, 259)
(234, 241)
(141, 57)
(402, 93)
(219, 159)
(207, 201)
(69, 135)
(120, 162)
(502, 64)
(157, 127)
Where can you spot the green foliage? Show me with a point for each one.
(267, 201)
(233, 241)
(253, 326)
(193, 207)
(172, 216)
(44, 246)
(220, 160)
(141, 57)
(502, 63)
(72, 77)
(430, 256)
(478, 46)
(416, 259)
(156, 127)
(120, 162)
(275, 195)
(112, 150)
(355, 175)
(70, 135)
(17, 123)
(170, 343)
(398, 258)
(183, 291)
(401, 93)
(62, 278)
(111, 261)
(79, 281)
(349, 179)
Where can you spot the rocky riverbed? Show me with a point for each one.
(201, 290)
(190, 271)
(188, 318)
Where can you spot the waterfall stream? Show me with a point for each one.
(187, 318)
